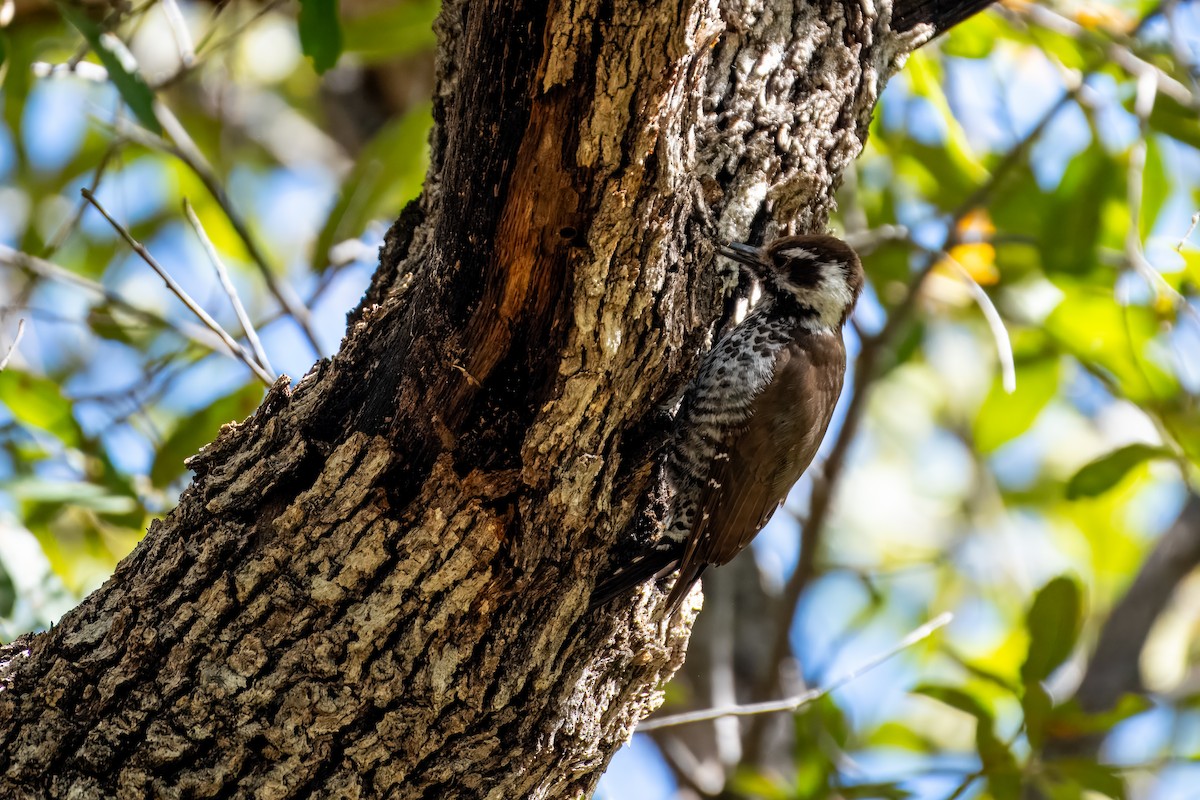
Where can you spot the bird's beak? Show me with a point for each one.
(746, 255)
(741, 253)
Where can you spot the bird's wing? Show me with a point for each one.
(761, 460)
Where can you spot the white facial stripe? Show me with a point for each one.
(830, 297)
(797, 252)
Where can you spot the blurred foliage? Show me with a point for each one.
(1046, 154)
(115, 384)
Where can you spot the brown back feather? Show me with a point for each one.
(765, 458)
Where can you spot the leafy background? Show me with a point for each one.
(1018, 443)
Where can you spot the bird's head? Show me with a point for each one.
(820, 273)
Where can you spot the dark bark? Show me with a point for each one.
(941, 14)
(377, 584)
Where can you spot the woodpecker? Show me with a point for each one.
(752, 419)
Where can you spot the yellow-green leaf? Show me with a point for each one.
(39, 403)
(1098, 476)
(118, 61)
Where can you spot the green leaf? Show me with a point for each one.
(1070, 721)
(199, 429)
(39, 403)
(1003, 416)
(388, 173)
(956, 698)
(1053, 626)
(1156, 187)
(974, 38)
(8, 593)
(999, 763)
(1090, 324)
(1038, 708)
(1091, 776)
(925, 79)
(394, 31)
(51, 496)
(1072, 231)
(1097, 477)
(896, 735)
(752, 783)
(122, 70)
(873, 791)
(3, 60)
(1174, 119)
(320, 32)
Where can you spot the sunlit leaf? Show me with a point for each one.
(39, 403)
(752, 783)
(81, 550)
(1069, 721)
(391, 31)
(955, 698)
(1053, 625)
(320, 32)
(388, 173)
(974, 38)
(871, 791)
(3, 66)
(1113, 338)
(897, 735)
(122, 70)
(1004, 416)
(1156, 187)
(1091, 776)
(1100, 475)
(923, 79)
(199, 429)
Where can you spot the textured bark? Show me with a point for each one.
(377, 584)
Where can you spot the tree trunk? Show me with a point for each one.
(378, 583)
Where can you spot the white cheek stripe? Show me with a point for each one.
(830, 297)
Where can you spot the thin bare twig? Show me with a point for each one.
(12, 348)
(804, 698)
(223, 276)
(187, 152)
(178, 291)
(207, 45)
(1008, 368)
(64, 230)
(1191, 229)
(184, 148)
(1119, 54)
(179, 30)
(51, 271)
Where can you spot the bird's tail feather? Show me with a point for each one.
(649, 564)
(683, 586)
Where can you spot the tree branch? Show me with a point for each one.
(941, 14)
